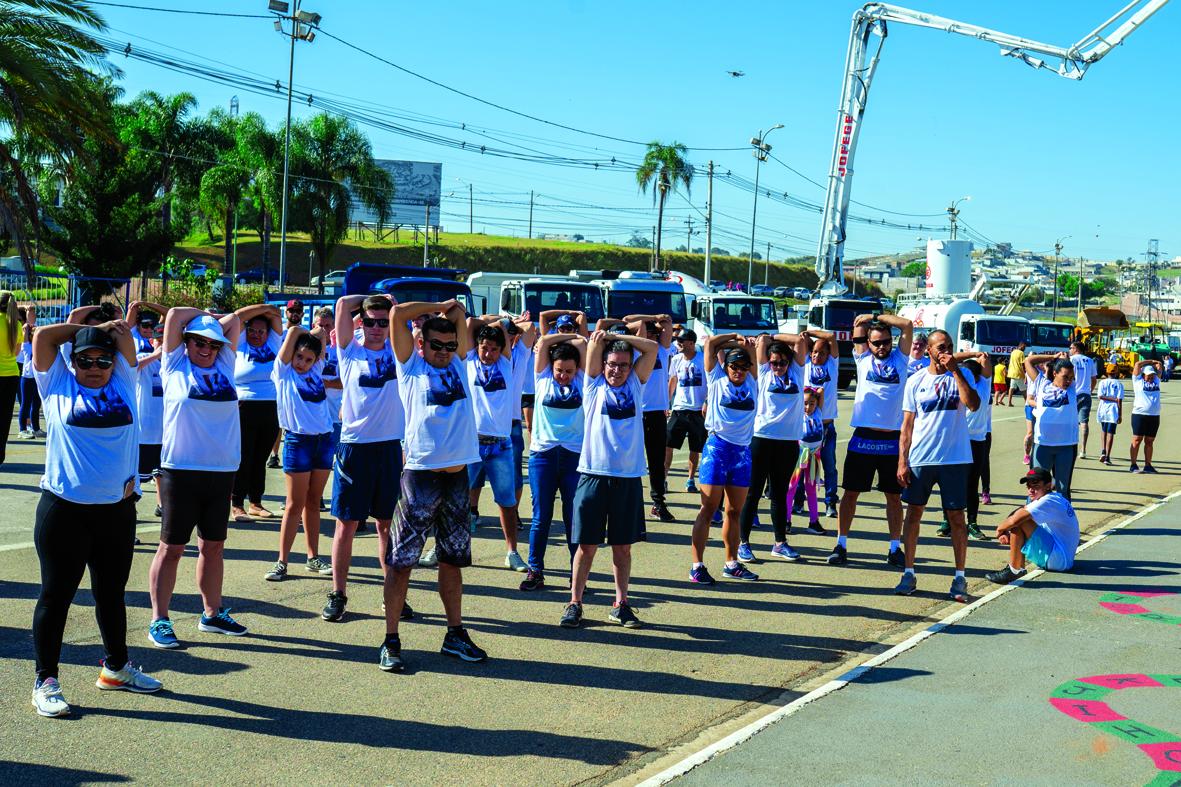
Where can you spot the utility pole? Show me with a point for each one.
(531, 213)
(1057, 259)
(689, 235)
(655, 251)
(761, 150)
(426, 235)
(767, 264)
(471, 211)
(1151, 257)
(709, 224)
(1080, 285)
(234, 268)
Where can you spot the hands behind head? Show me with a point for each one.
(115, 327)
(598, 336)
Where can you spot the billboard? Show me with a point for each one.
(416, 185)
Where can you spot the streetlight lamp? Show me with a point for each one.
(1057, 257)
(761, 149)
(302, 23)
(953, 213)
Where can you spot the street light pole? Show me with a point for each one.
(1057, 258)
(761, 149)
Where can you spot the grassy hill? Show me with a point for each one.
(478, 252)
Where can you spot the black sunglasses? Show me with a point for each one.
(439, 346)
(882, 343)
(201, 344)
(380, 322)
(742, 367)
(86, 362)
(780, 362)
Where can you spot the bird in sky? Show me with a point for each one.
(736, 73)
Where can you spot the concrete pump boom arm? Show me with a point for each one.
(1069, 61)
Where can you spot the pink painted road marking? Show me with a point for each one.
(1166, 756)
(1086, 710)
(1146, 593)
(1123, 609)
(1128, 681)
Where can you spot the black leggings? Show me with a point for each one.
(70, 537)
(259, 420)
(655, 441)
(8, 389)
(979, 474)
(773, 461)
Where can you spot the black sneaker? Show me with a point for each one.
(797, 509)
(896, 558)
(390, 658)
(975, 532)
(159, 511)
(944, 529)
(817, 529)
(460, 645)
(571, 617)
(660, 511)
(1004, 576)
(838, 556)
(407, 612)
(361, 527)
(622, 615)
(534, 580)
(334, 609)
(273, 462)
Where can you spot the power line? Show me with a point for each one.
(180, 10)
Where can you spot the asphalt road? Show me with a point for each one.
(301, 698)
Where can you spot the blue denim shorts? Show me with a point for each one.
(495, 465)
(303, 453)
(952, 481)
(724, 464)
(518, 438)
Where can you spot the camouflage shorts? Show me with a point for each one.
(431, 502)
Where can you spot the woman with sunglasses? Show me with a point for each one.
(29, 420)
(779, 425)
(86, 516)
(144, 318)
(725, 462)
(201, 452)
(258, 416)
(308, 447)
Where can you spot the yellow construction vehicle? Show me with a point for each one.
(1096, 329)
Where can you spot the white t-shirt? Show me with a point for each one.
(980, 420)
(92, 445)
(201, 430)
(1108, 412)
(1054, 512)
(495, 394)
(915, 364)
(253, 365)
(813, 430)
(690, 376)
(613, 436)
(1055, 414)
(302, 399)
(24, 359)
(522, 358)
(880, 385)
(1084, 373)
(940, 435)
(825, 378)
(730, 409)
(331, 371)
(441, 423)
(558, 419)
(149, 401)
(1146, 390)
(780, 407)
(371, 411)
(656, 389)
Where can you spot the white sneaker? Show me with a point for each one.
(130, 678)
(430, 559)
(25, 434)
(513, 560)
(48, 699)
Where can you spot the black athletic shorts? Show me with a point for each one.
(527, 400)
(684, 423)
(607, 508)
(871, 453)
(1145, 425)
(149, 460)
(194, 498)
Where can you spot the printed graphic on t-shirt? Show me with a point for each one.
(212, 386)
(943, 396)
(914, 364)
(689, 376)
(1150, 384)
(260, 354)
(102, 409)
(310, 387)
(329, 369)
(489, 378)
(1053, 396)
(381, 371)
(813, 429)
(782, 385)
(446, 387)
(619, 403)
(819, 375)
(157, 384)
(737, 398)
(563, 397)
(882, 372)
(658, 365)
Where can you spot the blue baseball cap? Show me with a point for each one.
(564, 321)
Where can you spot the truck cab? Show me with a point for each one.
(989, 333)
(1046, 336)
(635, 292)
(536, 295)
(746, 315)
(408, 289)
(837, 315)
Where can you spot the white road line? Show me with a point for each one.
(29, 544)
(757, 726)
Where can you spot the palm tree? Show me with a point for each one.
(260, 151)
(166, 129)
(49, 66)
(224, 183)
(331, 162)
(666, 164)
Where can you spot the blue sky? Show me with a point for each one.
(1042, 157)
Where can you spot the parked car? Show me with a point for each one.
(782, 292)
(332, 279)
(888, 303)
(760, 289)
(254, 276)
(801, 293)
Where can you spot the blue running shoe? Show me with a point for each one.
(739, 572)
(745, 554)
(691, 487)
(907, 585)
(785, 552)
(717, 517)
(756, 522)
(161, 635)
(221, 623)
(700, 576)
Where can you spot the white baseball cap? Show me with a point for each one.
(206, 326)
(1149, 370)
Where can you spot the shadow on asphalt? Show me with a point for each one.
(36, 773)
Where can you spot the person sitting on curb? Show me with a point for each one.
(1044, 530)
